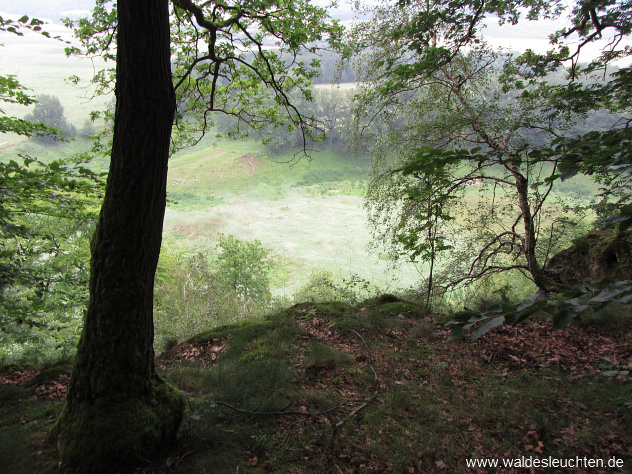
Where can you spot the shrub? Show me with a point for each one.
(192, 296)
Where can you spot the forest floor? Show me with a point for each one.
(374, 387)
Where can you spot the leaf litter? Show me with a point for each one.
(398, 397)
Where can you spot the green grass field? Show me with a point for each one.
(309, 212)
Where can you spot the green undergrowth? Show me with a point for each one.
(371, 387)
(329, 387)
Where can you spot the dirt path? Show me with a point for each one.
(248, 161)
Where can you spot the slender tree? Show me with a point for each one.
(461, 133)
(118, 410)
(473, 117)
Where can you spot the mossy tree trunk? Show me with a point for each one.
(118, 410)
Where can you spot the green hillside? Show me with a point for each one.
(246, 168)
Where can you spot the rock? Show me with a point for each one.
(594, 257)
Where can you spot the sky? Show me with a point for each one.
(47, 9)
(518, 38)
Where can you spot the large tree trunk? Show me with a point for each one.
(118, 410)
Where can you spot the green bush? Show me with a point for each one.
(320, 286)
(192, 296)
(182, 298)
(245, 269)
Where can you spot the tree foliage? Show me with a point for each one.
(193, 295)
(47, 212)
(456, 115)
(331, 108)
(459, 132)
(459, 114)
(252, 62)
(8, 25)
(244, 269)
(49, 112)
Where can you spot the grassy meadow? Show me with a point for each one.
(308, 212)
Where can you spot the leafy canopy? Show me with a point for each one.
(424, 64)
(240, 59)
(44, 208)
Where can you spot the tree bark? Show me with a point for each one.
(118, 409)
(536, 271)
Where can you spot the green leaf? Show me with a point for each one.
(531, 307)
(563, 317)
(608, 294)
(488, 326)
(456, 332)
(610, 373)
